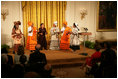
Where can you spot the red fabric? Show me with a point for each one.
(65, 39)
(88, 61)
(96, 55)
(32, 40)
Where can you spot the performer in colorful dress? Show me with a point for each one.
(74, 37)
(16, 36)
(65, 39)
(54, 45)
(32, 37)
(41, 36)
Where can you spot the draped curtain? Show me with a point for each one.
(43, 12)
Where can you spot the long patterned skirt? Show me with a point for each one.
(64, 45)
(31, 43)
(17, 43)
(54, 45)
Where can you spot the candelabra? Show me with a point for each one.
(4, 13)
(83, 12)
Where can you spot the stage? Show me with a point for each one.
(63, 57)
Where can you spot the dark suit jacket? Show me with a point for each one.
(37, 57)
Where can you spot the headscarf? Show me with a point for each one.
(17, 23)
(76, 24)
(30, 23)
(55, 23)
(65, 22)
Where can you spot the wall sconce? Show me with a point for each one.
(4, 13)
(83, 12)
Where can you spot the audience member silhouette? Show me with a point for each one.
(5, 58)
(108, 62)
(95, 61)
(23, 59)
(20, 53)
(18, 71)
(37, 56)
(6, 71)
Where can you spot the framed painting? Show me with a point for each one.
(107, 16)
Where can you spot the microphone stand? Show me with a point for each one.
(84, 43)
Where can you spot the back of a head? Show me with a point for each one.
(37, 47)
(20, 50)
(97, 47)
(48, 69)
(19, 22)
(23, 59)
(107, 45)
(31, 75)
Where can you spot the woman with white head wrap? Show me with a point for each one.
(54, 45)
(74, 38)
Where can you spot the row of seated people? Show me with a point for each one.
(23, 67)
(102, 64)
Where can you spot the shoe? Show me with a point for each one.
(31, 51)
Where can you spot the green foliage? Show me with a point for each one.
(5, 46)
(90, 44)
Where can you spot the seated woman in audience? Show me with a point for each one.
(20, 52)
(92, 61)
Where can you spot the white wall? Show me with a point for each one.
(73, 15)
(15, 14)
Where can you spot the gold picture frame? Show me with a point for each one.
(106, 16)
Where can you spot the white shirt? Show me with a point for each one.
(54, 33)
(29, 29)
(62, 30)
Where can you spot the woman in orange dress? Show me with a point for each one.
(65, 39)
(32, 37)
(16, 36)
